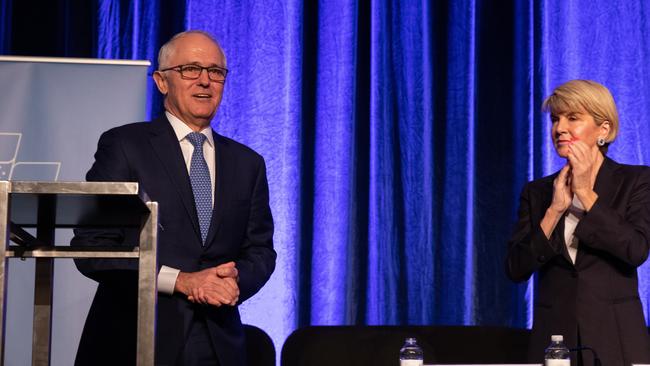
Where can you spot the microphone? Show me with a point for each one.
(593, 351)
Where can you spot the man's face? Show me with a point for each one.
(194, 102)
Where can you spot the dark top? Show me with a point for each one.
(597, 298)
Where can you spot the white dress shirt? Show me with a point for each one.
(167, 275)
(574, 214)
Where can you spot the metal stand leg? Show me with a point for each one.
(147, 291)
(43, 284)
(4, 241)
(42, 333)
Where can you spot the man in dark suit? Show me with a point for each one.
(215, 245)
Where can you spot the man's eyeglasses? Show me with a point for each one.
(192, 72)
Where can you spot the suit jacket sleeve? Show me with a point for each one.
(257, 257)
(110, 165)
(528, 248)
(625, 236)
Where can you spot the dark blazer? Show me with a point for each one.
(598, 296)
(241, 230)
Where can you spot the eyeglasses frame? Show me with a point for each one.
(179, 69)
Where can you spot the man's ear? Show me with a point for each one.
(161, 82)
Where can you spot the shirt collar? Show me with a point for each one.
(181, 129)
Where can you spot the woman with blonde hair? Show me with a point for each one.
(585, 230)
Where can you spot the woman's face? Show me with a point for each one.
(569, 127)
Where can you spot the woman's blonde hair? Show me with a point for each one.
(589, 96)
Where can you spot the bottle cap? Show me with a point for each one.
(557, 338)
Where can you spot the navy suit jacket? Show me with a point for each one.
(241, 231)
(598, 295)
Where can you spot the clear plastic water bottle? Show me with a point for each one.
(557, 354)
(411, 354)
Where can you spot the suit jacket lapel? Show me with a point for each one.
(604, 187)
(166, 146)
(220, 162)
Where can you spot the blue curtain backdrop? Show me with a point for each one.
(397, 134)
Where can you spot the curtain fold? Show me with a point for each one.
(523, 153)
(457, 215)
(135, 29)
(333, 255)
(5, 26)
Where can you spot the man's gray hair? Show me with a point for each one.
(168, 48)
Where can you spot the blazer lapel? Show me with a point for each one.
(604, 187)
(166, 146)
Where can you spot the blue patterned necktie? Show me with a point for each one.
(201, 186)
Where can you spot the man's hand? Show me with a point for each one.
(214, 286)
(228, 270)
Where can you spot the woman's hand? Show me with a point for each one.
(583, 164)
(562, 198)
(562, 194)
